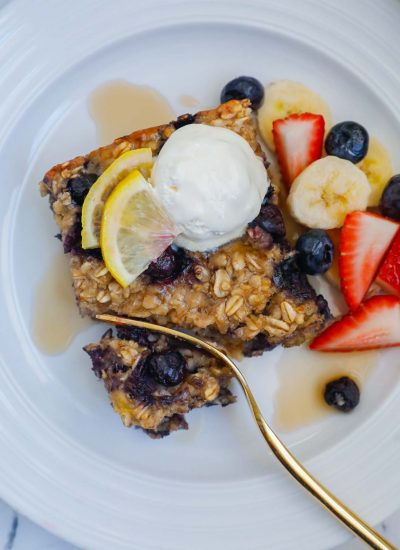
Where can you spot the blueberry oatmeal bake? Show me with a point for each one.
(248, 295)
(153, 380)
(180, 225)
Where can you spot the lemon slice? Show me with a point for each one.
(135, 229)
(93, 205)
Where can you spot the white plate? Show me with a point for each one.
(65, 459)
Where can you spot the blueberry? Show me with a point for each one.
(261, 239)
(288, 277)
(167, 368)
(141, 336)
(79, 186)
(315, 252)
(271, 220)
(168, 266)
(343, 394)
(183, 120)
(347, 140)
(244, 87)
(390, 201)
(257, 346)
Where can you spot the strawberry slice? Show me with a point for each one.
(298, 142)
(375, 324)
(389, 274)
(364, 239)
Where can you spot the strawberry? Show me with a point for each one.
(364, 239)
(375, 324)
(389, 274)
(298, 142)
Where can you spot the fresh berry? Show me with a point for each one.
(167, 266)
(244, 87)
(375, 324)
(390, 200)
(315, 250)
(166, 368)
(389, 274)
(298, 142)
(364, 239)
(347, 140)
(79, 186)
(343, 394)
(271, 220)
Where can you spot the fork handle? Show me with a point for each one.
(297, 470)
(292, 465)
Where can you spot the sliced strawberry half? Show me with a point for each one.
(376, 324)
(364, 239)
(298, 142)
(389, 274)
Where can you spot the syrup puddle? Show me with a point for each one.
(119, 108)
(302, 377)
(56, 320)
(188, 101)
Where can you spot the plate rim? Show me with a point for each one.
(17, 6)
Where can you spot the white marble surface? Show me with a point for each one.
(19, 533)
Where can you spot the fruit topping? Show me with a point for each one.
(377, 166)
(288, 277)
(287, 97)
(79, 186)
(93, 206)
(343, 394)
(167, 266)
(326, 191)
(364, 239)
(244, 87)
(390, 201)
(143, 337)
(315, 251)
(261, 239)
(298, 142)
(389, 274)
(347, 140)
(135, 229)
(183, 120)
(271, 220)
(166, 368)
(375, 324)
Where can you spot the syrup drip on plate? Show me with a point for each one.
(188, 101)
(302, 377)
(119, 108)
(56, 320)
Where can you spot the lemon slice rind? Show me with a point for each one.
(92, 208)
(135, 229)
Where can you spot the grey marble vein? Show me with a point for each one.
(12, 533)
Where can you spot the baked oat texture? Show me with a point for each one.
(247, 296)
(122, 362)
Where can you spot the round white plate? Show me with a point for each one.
(66, 461)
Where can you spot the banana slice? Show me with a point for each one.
(378, 168)
(287, 97)
(326, 191)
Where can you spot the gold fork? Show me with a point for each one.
(292, 465)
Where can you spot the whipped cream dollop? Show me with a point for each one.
(211, 183)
